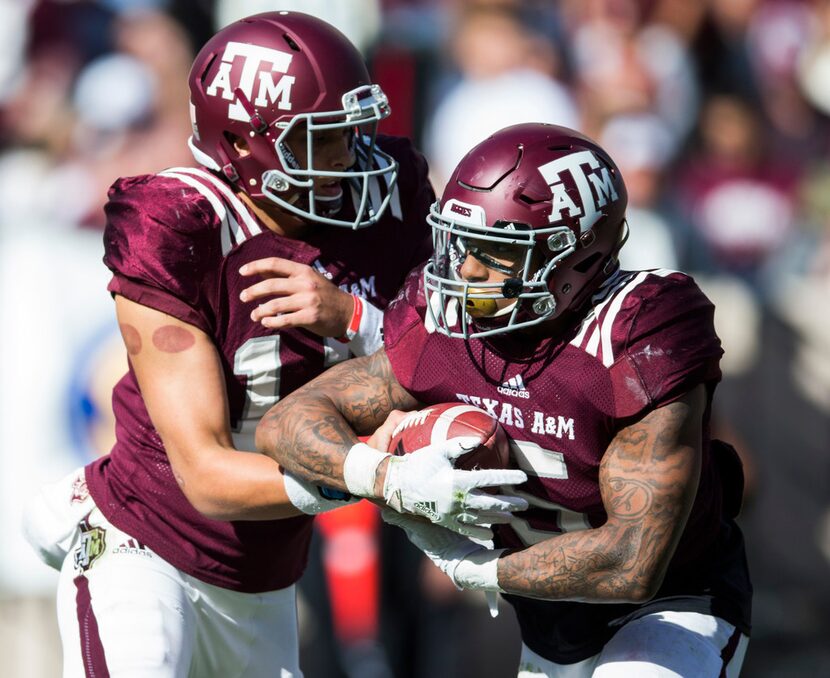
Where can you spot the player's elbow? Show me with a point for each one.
(641, 586)
(642, 591)
(203, 493)
(631, 578)
(205, 501)
(210, 508)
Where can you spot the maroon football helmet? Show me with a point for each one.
(546, 192)
(263, 76)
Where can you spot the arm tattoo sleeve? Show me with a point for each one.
(648, 478)
(310, 431)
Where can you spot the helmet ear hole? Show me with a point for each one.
(588, 262)
(238, 144)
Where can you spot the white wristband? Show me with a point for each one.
(478, 571)
(360, 467)
(369, 336)
(308, 498)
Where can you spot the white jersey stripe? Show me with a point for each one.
(614, 309)
(239, 207)
(375, 196)
(395, 200)
(600, 299)
(603, 331)
(229, 223)
(596, 326)
(592, 347)
(587, 323)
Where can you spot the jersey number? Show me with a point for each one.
(544, 518)
(258, 360)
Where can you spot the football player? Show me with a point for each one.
(628, 561)
(179, 551)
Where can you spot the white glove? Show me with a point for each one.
(469, 564)
(311, 499)
(425, 483)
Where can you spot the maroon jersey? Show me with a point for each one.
(646, 339)
(175, 242)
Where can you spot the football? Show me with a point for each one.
(441, 422)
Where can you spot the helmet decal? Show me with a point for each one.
(464, 212)
(591, 201)
(253, 75)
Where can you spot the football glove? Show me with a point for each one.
(469, 564)
(425, 483)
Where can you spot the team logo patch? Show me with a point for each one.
(93, 543)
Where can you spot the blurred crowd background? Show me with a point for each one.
(718, 114)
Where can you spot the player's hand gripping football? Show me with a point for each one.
(469, 564)
(426, 483)
(295, 295)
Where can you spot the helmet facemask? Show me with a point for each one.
(292, 186)
(465, 309)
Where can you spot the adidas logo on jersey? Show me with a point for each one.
(133, 547)
(515, 386)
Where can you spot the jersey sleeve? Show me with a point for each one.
(403, 329)
(667, 345)
(161, 245)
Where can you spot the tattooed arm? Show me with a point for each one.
(310, 431)
(313, 434)
(648, 479)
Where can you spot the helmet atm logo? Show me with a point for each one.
(602, 182)
(268, 91)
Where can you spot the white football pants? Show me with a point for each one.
(659, 645)
(123, 612)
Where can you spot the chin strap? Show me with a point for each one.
(258, 123)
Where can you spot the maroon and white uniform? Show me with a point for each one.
(645, 340)
(175, 242)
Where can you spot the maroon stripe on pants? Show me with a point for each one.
(728, 651)
(92, 651)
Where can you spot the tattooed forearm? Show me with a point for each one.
(310, 431)
(648, 479)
